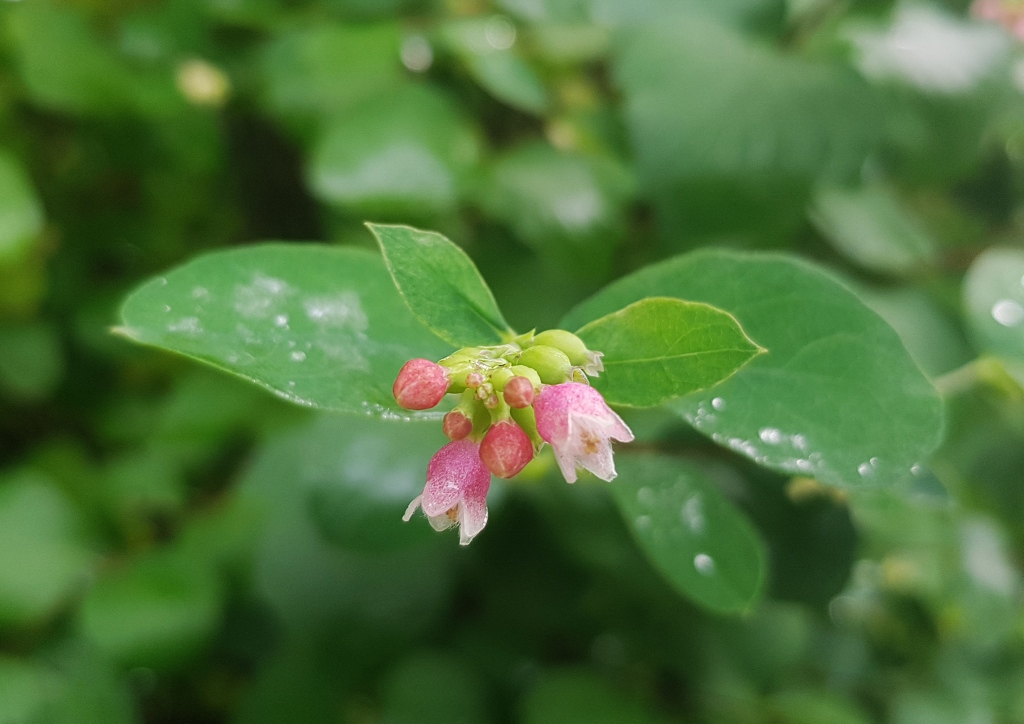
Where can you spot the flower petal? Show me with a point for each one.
(452, 469)
(473, 511)
(443, 521)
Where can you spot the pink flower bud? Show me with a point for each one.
(506, 449)
(456, 425)
(580, 426)
(474, 379)
(420, 385)
(456, 490)
(519, 392)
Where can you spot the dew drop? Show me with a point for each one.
(500, 33)
(167, 307)
(281, 320)
(645, 496)
(162, 281)
(865, 469)
(915, 469)
(416, 53)
(1008, 312)
(298, 356)
(770, 435)
(718, 403)
(704, 564)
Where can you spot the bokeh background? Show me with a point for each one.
(176, 546)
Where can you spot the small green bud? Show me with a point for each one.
(552, 365)
(567, 342)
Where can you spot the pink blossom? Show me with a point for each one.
(420, 385)
(579, 425)
(456, 490)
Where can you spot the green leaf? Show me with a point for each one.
(66, 67)
(404, 153)
(575, 696)
(23, 690)
(441, 285)
(568, 206)
(994, 298)
(730, 134)
(314, 584)
(322, 71)
(156, 613)
(433, 689)
(871, 228)
(702, 545)
(31, 360)
(85, 689)
(357, 476)
(21, 215)
(933, 337)
(485, 46)
(44, 557)
(510, 79)
(837, 397)
(702, 101)
(320, 326)
(812, 706)
(659, 348)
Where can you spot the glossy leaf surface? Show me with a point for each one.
(660, 348)
(325, 69)
(994, 297)
(399, 154)
(45, 558)
(871, 227)
(570, 207)
(317, 325)
(702, 545)
(357, 476)
(837, 397)
(441, 285)
(21, 215)
(685, 81)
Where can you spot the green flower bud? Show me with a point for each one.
(567, 342)
(500, 378)
(527, 420)
(552, 365)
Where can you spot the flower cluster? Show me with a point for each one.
(515, 398)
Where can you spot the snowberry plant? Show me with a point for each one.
(768, 356)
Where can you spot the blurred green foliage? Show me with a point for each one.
(177, 546)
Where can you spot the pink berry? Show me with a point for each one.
(456, 425)
(519, 392)
(506, 449)
(420, 385)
